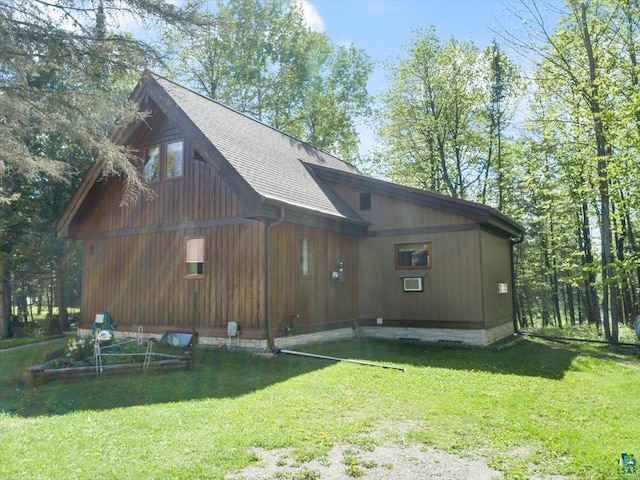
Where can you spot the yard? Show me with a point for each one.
(530, 410)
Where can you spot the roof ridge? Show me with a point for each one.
(249, 117)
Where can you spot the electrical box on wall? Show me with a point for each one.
(412, 284)
(232, 329)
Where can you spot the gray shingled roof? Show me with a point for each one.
(271, 162)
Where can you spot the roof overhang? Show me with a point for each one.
(489, 218)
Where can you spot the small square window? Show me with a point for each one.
(365, 201)
(152, 164)
(413, 255)
(195, 257)
(175, 159)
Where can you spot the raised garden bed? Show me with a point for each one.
(41, 374)
(110, 357)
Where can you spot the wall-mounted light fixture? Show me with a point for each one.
(337, 274)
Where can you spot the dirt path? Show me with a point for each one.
(408, 462)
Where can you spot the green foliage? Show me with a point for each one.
(262, 60)
(444, 116)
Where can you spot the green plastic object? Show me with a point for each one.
(101, 322)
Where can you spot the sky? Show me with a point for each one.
(383, 27)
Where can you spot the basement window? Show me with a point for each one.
(195, 257)
(413, 255)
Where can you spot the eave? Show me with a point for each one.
(489, 218)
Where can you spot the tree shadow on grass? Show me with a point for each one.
(222, 374)
(217, 374)
(525, 357)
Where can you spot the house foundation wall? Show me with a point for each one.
(478, 337)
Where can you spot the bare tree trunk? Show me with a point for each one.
(5, 298)
(603, 152)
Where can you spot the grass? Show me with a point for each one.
(533, 408)
(16, 342)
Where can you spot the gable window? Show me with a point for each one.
(175, 159)
(305, 257)
(152, 164)
(413, 255)
(365, 201)
(195, 257)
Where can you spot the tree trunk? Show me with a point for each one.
(60, 299)
(603, 153)
(5, 299)
(591, 297)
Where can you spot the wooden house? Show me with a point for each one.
(254, 229)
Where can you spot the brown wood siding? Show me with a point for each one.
(141, 279)
(199, 194)
(452, 287)
(389, 213)
(496, 258)
(313, 302)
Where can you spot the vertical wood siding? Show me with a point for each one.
(453, 287)
(496, 267)
(138, 276)
(313, 302)
(141, 279)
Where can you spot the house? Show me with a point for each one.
(254, 229)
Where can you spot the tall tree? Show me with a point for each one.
(54, 96)
(586, 74)
(445, 100)
(260, 58)
(502, 83)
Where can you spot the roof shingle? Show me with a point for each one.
(270, 161)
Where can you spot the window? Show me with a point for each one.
(305, 256)
(365, 201)
(413, 255)
(152, 164)
(175, 159)
(195, 257)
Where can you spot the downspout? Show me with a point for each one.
(270, 343)
(513, 242)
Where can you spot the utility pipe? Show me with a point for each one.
(359, 362)
(270, 342)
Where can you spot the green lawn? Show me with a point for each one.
(532, 408)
